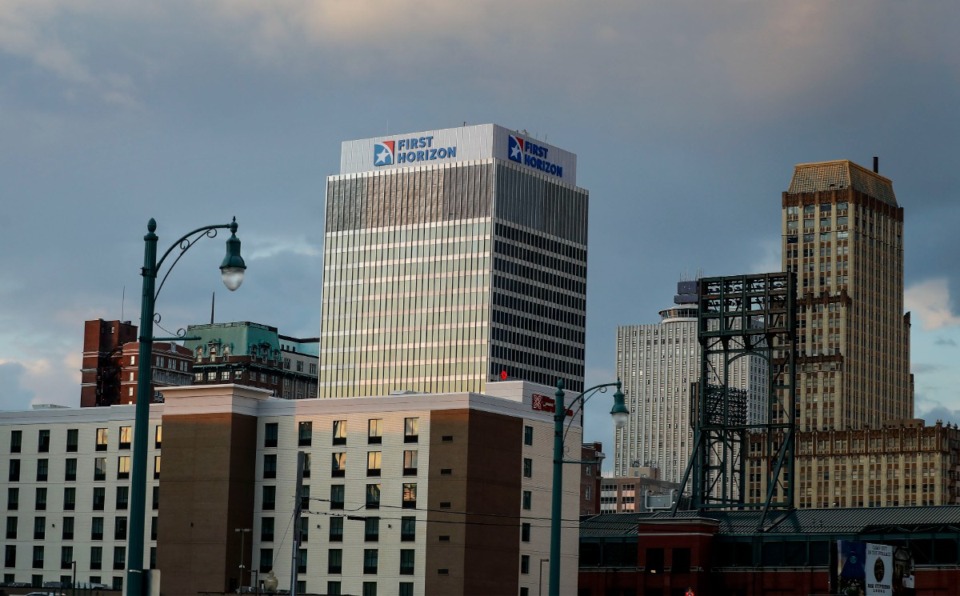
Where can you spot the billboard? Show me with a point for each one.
(869, 569)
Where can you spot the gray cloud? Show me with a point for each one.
(13, 396)
(687, 118)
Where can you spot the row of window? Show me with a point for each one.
(67, 525)
(70, 469)
(371, 561)
(411, 432)
(73, 439)
(70, 498)
(67, 560)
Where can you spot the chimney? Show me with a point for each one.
(876, 164)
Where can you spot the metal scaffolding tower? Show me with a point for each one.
(738, 317)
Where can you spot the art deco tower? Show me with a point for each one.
(843, 237)
(452, 257)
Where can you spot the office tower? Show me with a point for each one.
(843, 237)
(658, 364)
(452, 258)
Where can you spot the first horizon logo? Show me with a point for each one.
(410, 150)
(530, 154)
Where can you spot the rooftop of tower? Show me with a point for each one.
(838, 175)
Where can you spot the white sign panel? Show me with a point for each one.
(452, 145)
(878, 568)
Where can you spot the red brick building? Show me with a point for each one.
(740, 553)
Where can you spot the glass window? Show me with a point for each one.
(158, 437)
(39, 528)
(38, 557)
(122, 497)
(302, 560)
(525, 532)
(337, 495)
(370, 560)
(269, 498)
(527, 500)
(373, 463)
(14, 473)
(69, 498)
(528, 435)
(270, 465)
(11, 528)
(339, 465)
(305, 433)
(96, 528)
(334, 560)
(408, 528)
(70, 469)
(123, 466)
(406, 589)
(410, 462)
(43, 441)
(99, 498)
(99, 468)
(411, 430)
(10, 555)
(339, 432)
(333, 588)
(16, 441)
(410, 495)
(266, 529)
(406, 561)
(120, 528)
(40, 503)
(271, 432)
(527, 467)
(73, 439)
(119, 557)
(42, 470)
(374, 430)
(156, 466)
(96, 557)
(101, 439)
(125, 435)
(67, 526)
(266, 560)
(371, 529)
(336, 529)
(373, 496)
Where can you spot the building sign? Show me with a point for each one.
(476, 143)
(409, 150)
(542, 403)
(530, 154)
(879, 569)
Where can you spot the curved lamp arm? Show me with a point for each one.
(619, 412)
(231, 269)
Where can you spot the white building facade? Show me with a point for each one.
(658, 365)
(411, 494)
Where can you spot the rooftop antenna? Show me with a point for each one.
(123, 300)
(213, 304)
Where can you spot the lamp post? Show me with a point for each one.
(243, 532)
(540, 582)
(232, 270)
(620, 414)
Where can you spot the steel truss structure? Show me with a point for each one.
(738, 317)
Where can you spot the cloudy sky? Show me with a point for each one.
(687, 117)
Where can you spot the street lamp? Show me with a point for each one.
(231, 270)
(620, 414)
(243, 532)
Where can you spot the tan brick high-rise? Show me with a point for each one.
(843, 237)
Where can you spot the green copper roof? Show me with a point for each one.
(238, 336)
(839, 175)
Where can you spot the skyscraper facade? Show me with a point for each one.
(843, 237)
(659, 365)
(452, 258)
